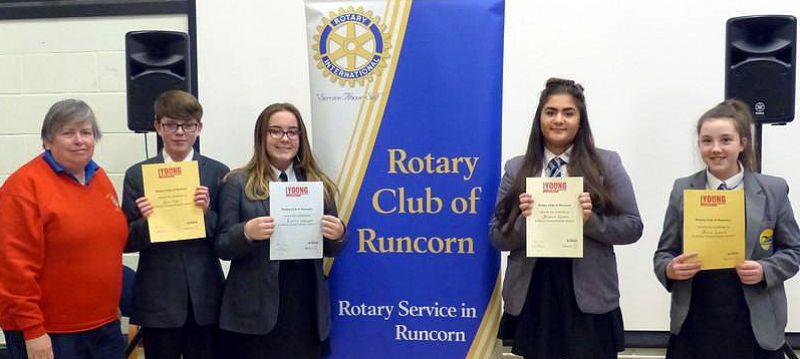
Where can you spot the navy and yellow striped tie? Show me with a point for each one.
(554, 167)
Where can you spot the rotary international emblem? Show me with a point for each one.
(351, 46)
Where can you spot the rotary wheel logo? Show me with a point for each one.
(351, 46)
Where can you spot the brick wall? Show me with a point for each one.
(43, 61)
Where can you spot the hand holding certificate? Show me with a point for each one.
(713, 227)
(170, 188)
(297, 208)
(555, 227)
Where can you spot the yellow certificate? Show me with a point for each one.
(555, 228)
(714, 227)
(170, 187)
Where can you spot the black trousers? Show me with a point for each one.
(191, 341)
(105, 342)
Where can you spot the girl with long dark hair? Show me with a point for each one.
(562, 307)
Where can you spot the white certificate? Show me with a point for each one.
(297, 209)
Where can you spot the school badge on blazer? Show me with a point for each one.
(351, 46)
(765, 239)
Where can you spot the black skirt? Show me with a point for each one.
(718, 322)
(295, 334)
(552, 326)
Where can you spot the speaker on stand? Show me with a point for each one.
(760, 68)
(155, 62)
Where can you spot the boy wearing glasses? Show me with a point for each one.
(178, 284)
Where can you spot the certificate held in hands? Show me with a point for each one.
(714, 227)
(297, 208)
(555, 228)
(170, 187)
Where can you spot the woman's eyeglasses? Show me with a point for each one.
(278, 133)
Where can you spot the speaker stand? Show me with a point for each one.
(757, 145)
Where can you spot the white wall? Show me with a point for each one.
(250, 54)
(46, 60)
(649, 68)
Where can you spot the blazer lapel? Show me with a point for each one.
(698, 180)
(754, 202)
(299, 173)
(199, 159)
(201, 163)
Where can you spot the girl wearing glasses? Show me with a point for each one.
(274, 309)
(560, 307)
(741, 312)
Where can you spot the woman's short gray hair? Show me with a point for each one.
(65, 112)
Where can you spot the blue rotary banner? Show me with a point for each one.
(406, 111)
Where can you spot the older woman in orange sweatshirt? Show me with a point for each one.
(61, 239)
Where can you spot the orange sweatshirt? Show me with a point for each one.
(60, 251)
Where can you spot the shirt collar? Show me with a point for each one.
(168, 159)
(289, 173)
(712, 182)
(89, 171)
(548, 156)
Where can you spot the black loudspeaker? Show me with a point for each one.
(759, 65)
(156, 61)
